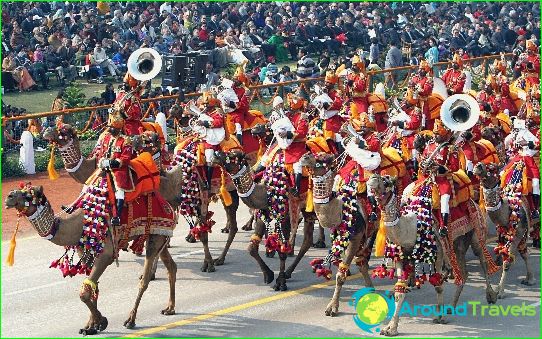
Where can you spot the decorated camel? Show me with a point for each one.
(405, 222)
(510, 212)
(98, 250)
(256, 196)
(172, 180)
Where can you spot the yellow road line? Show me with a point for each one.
(250, 304)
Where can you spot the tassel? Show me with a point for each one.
(226, 196)
(53, 174)
(310, 203)
(380, 239)
(260, 151)
(354, 114)
(481, 202)
(201, 154)
(10, 260)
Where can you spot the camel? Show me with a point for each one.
(67, 231)
(498, 210)
(81, 169)
(401, 229)
(328, 210)
(254, 195)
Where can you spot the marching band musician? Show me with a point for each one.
(408, 126)
(454, 77)
(419, 89)
(211, 119)
(297, 148)
(500, 86)
(439, 160)
(127, 102)
(114, 152)
(357, 85)
(529, 66)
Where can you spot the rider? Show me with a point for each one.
(128, 102)
(420, 88)
(297, 148)
(212, 118)
(498, 81)
(403, 140)
(454, 77)
(439, 160)
(529, 67)
(114, 152)
(357, 86)
(328, 124)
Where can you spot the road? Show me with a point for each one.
(232, 302)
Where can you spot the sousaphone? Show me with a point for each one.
(144, 64)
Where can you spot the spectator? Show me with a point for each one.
(305, 65)
(19, 73)
(394, 58)
(101, 59)
(108, 95)
(374, 51)
(26, 153)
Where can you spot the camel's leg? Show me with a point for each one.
(268, 275)
(440, 288)
(321, 242)
(171, 267)
(308, 230)
(97, 322)
(248, 225)
(155, 244)
(280, 284)
(208, 263)
(294, 223)
(460, 248)
(518, 241)
(491, 295)
(333, 307)
(400, 291)
(231, 214)
(524, 252)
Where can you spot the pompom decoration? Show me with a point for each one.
(95, 227)
(276, 180)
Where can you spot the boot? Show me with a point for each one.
(209, 176)
(372, 216)
(67, 209)
(297, 188)
(115, 221)
(443, 231)
(535, 214)
(240, 138)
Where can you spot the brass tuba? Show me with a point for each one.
(460, 112)
(144, 64)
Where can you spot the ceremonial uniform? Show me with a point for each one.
(420, 88)
(501, 99)
(454, 77)
(529, 67)
(403, 140)
(117, 148)
(357, 88)
(328, 125)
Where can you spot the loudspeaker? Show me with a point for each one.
(173, 69)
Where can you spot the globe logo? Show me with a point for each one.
(372, 308)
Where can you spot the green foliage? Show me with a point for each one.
(74, 96)
(11, 167)
(90, 134)
(229, 71)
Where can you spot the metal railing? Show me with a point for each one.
(261, 97)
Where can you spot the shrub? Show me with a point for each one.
(11, 167)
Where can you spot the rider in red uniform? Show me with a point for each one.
(454, 77)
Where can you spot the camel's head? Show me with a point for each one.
(381, 187)
(487, 173)
(60, 135)
(262, 131)
(146, 142)
(319, 163)
(232, 161)
(26, 199)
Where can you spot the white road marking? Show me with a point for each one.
(536, 304)
(184, 255)
(35, 288)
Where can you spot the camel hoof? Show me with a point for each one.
(389, 332)
(190, 238)
(319, 244)
(103, 324)
(268, 277)
(129, 324)
(247, 228)
(288, 274)
(270, 254)
(168, 311)
(219, 261)
(440, 320)
(527, 282)
(225, 230)
(88, 331)
(330, 313)
(204, 266)
(211, 268)
(491, 296)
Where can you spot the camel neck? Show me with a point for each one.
(71, 155)
(323, 187)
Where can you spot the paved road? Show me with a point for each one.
(38, 302)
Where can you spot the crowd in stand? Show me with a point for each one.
(93, 40)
